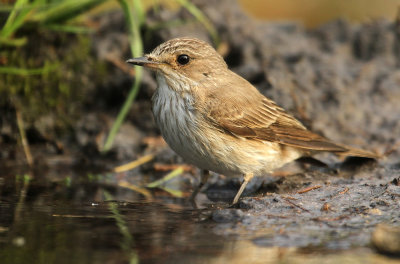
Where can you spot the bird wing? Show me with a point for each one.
(267, 122)
(244, 112)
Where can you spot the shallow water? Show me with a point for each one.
(57, 230)
(53, 222)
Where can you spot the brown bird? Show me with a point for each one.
(218, 121)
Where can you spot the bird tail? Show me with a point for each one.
(355, 152)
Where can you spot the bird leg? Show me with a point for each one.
(246, 179)
(205, 174)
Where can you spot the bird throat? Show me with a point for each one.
(173, 112)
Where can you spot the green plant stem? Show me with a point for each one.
(123, 112)
(135, 18)
(199, 15)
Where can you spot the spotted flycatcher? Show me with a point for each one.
(218, 121)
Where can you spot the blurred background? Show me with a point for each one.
(316, 12)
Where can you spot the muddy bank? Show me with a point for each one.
(334, 213)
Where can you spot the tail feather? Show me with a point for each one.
(355, 152)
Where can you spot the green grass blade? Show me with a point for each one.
(13, 42)
(199, 15)
(16, 18)
(64, 10)
(132, 17)
(69, 28)
(56, 12)
(14, 12)
(169, 176)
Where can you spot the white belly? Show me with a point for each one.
(176, 120)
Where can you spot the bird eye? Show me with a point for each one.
(183, 59)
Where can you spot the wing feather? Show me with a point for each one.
(254, 116)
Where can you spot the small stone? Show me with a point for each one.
(227, 215)
(396, 181)
(326, 207)
(386, 239)
(375, 211)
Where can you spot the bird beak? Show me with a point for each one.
(144, 61)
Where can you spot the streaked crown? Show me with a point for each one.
(187, 58)
(191, 46)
